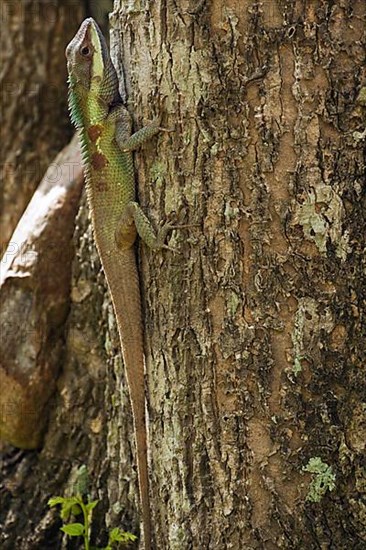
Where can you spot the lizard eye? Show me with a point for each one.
(85, 51)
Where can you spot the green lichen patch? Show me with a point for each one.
(362, 96)
(158, 172)
(323, 479)
(321, 217)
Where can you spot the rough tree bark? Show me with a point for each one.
(33, 98)
(254, 338)
(255, 341)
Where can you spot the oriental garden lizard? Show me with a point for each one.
(104, 126)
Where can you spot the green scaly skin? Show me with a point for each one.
(105, 136)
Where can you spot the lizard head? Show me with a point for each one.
(89, 64)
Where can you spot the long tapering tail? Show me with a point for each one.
(122, 277)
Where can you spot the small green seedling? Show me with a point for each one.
(76, 505)
(116, 535)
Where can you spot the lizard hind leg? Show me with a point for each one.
(125, 233)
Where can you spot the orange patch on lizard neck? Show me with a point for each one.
(94, 132)
(98, 161)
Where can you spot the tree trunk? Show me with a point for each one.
(255, 348)
(33, 99)
(255, 357)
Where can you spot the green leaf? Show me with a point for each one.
(76, 510)
(82, 481)
(53, 501)
(73, 529)
(117, 535)
(67, 506)
(91, 505)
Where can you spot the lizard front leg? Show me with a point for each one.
(133, 216)
(127, 142)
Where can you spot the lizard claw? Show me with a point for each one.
(166, 129)
(156, 121)
(174, 250)
(162, 235)
(166, 228)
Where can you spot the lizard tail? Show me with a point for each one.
(125, 291)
